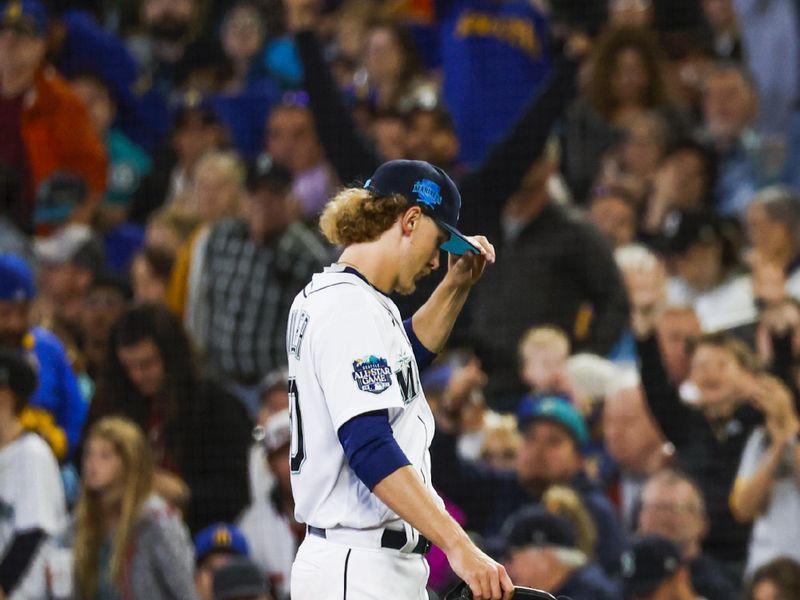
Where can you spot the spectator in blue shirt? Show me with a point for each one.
(57, 392)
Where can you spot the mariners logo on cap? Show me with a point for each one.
(372, 374)
(428, 192)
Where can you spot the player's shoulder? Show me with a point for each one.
(337, 291)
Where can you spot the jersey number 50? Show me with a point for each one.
(297, 449)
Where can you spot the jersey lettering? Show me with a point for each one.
(297, 325)
(408, 380)
(297, 448)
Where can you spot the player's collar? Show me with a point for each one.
(353, 271)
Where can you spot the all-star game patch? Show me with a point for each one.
(372, 374)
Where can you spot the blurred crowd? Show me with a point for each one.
(617, 410)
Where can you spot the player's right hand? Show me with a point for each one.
(486, 578)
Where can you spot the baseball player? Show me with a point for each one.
(361, 426)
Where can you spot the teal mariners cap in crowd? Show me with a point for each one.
(431, 189)
(558, 410)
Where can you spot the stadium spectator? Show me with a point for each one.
(614, 211)
(196, 130)
(128, 542)
(766, 490)
(169, 228)
(199, 434)
(218, 192)
(626, 81)
(633, 442)
(706, 271)
(730, 105)
(150, 273)
(391, 77)
(543, 553)
(255, 265)
(292, 140)
(67, 264)
(501, 443)
(106, 300)
(167, 29)
(672, 506)
(241, 579)
(685, 181)
(45, 127)
(128, 162)
(725, 31)
(677, 326)
(554, 435)
(57, 392)
(214, 547)
(710, 433)
(653, 570)
(242, 35)
(775, 580)
(31, 492)
(543, 354)
(773, 226)
(268, 523)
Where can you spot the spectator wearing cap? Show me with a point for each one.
(633, 443)
(706, 272)
(31, 492)
(214, 547)
(542, 552)
(653, 570)
(196, 130)
(67, 263)
(268, 523)
(129, 163)
(254, 266)
(554, 438)
(241, 579)
(198, 432)
(672, 505)
(43, 125)
(57, 392)
(292, 140)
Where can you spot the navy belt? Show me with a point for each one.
(396, 540)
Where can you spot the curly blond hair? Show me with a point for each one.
(357, 215)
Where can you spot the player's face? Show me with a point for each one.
(103, 469)
(423, 255)
(143, 365)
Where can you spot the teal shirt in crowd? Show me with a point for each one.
(129, 164)
(106, 590)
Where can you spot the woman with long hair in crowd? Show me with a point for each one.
(626, 79)
(128, 543)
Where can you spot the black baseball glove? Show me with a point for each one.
(462, 592)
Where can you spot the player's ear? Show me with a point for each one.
(410, 219)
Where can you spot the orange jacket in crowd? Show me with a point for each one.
(58, 134)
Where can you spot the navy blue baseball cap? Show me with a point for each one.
(431, 189)
(16, 279)
(537, 527)
(220, 537)
(649, 562)
(28, 16)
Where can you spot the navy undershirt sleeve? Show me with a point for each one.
(18, 558)
(370, 447)
(423, 356)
